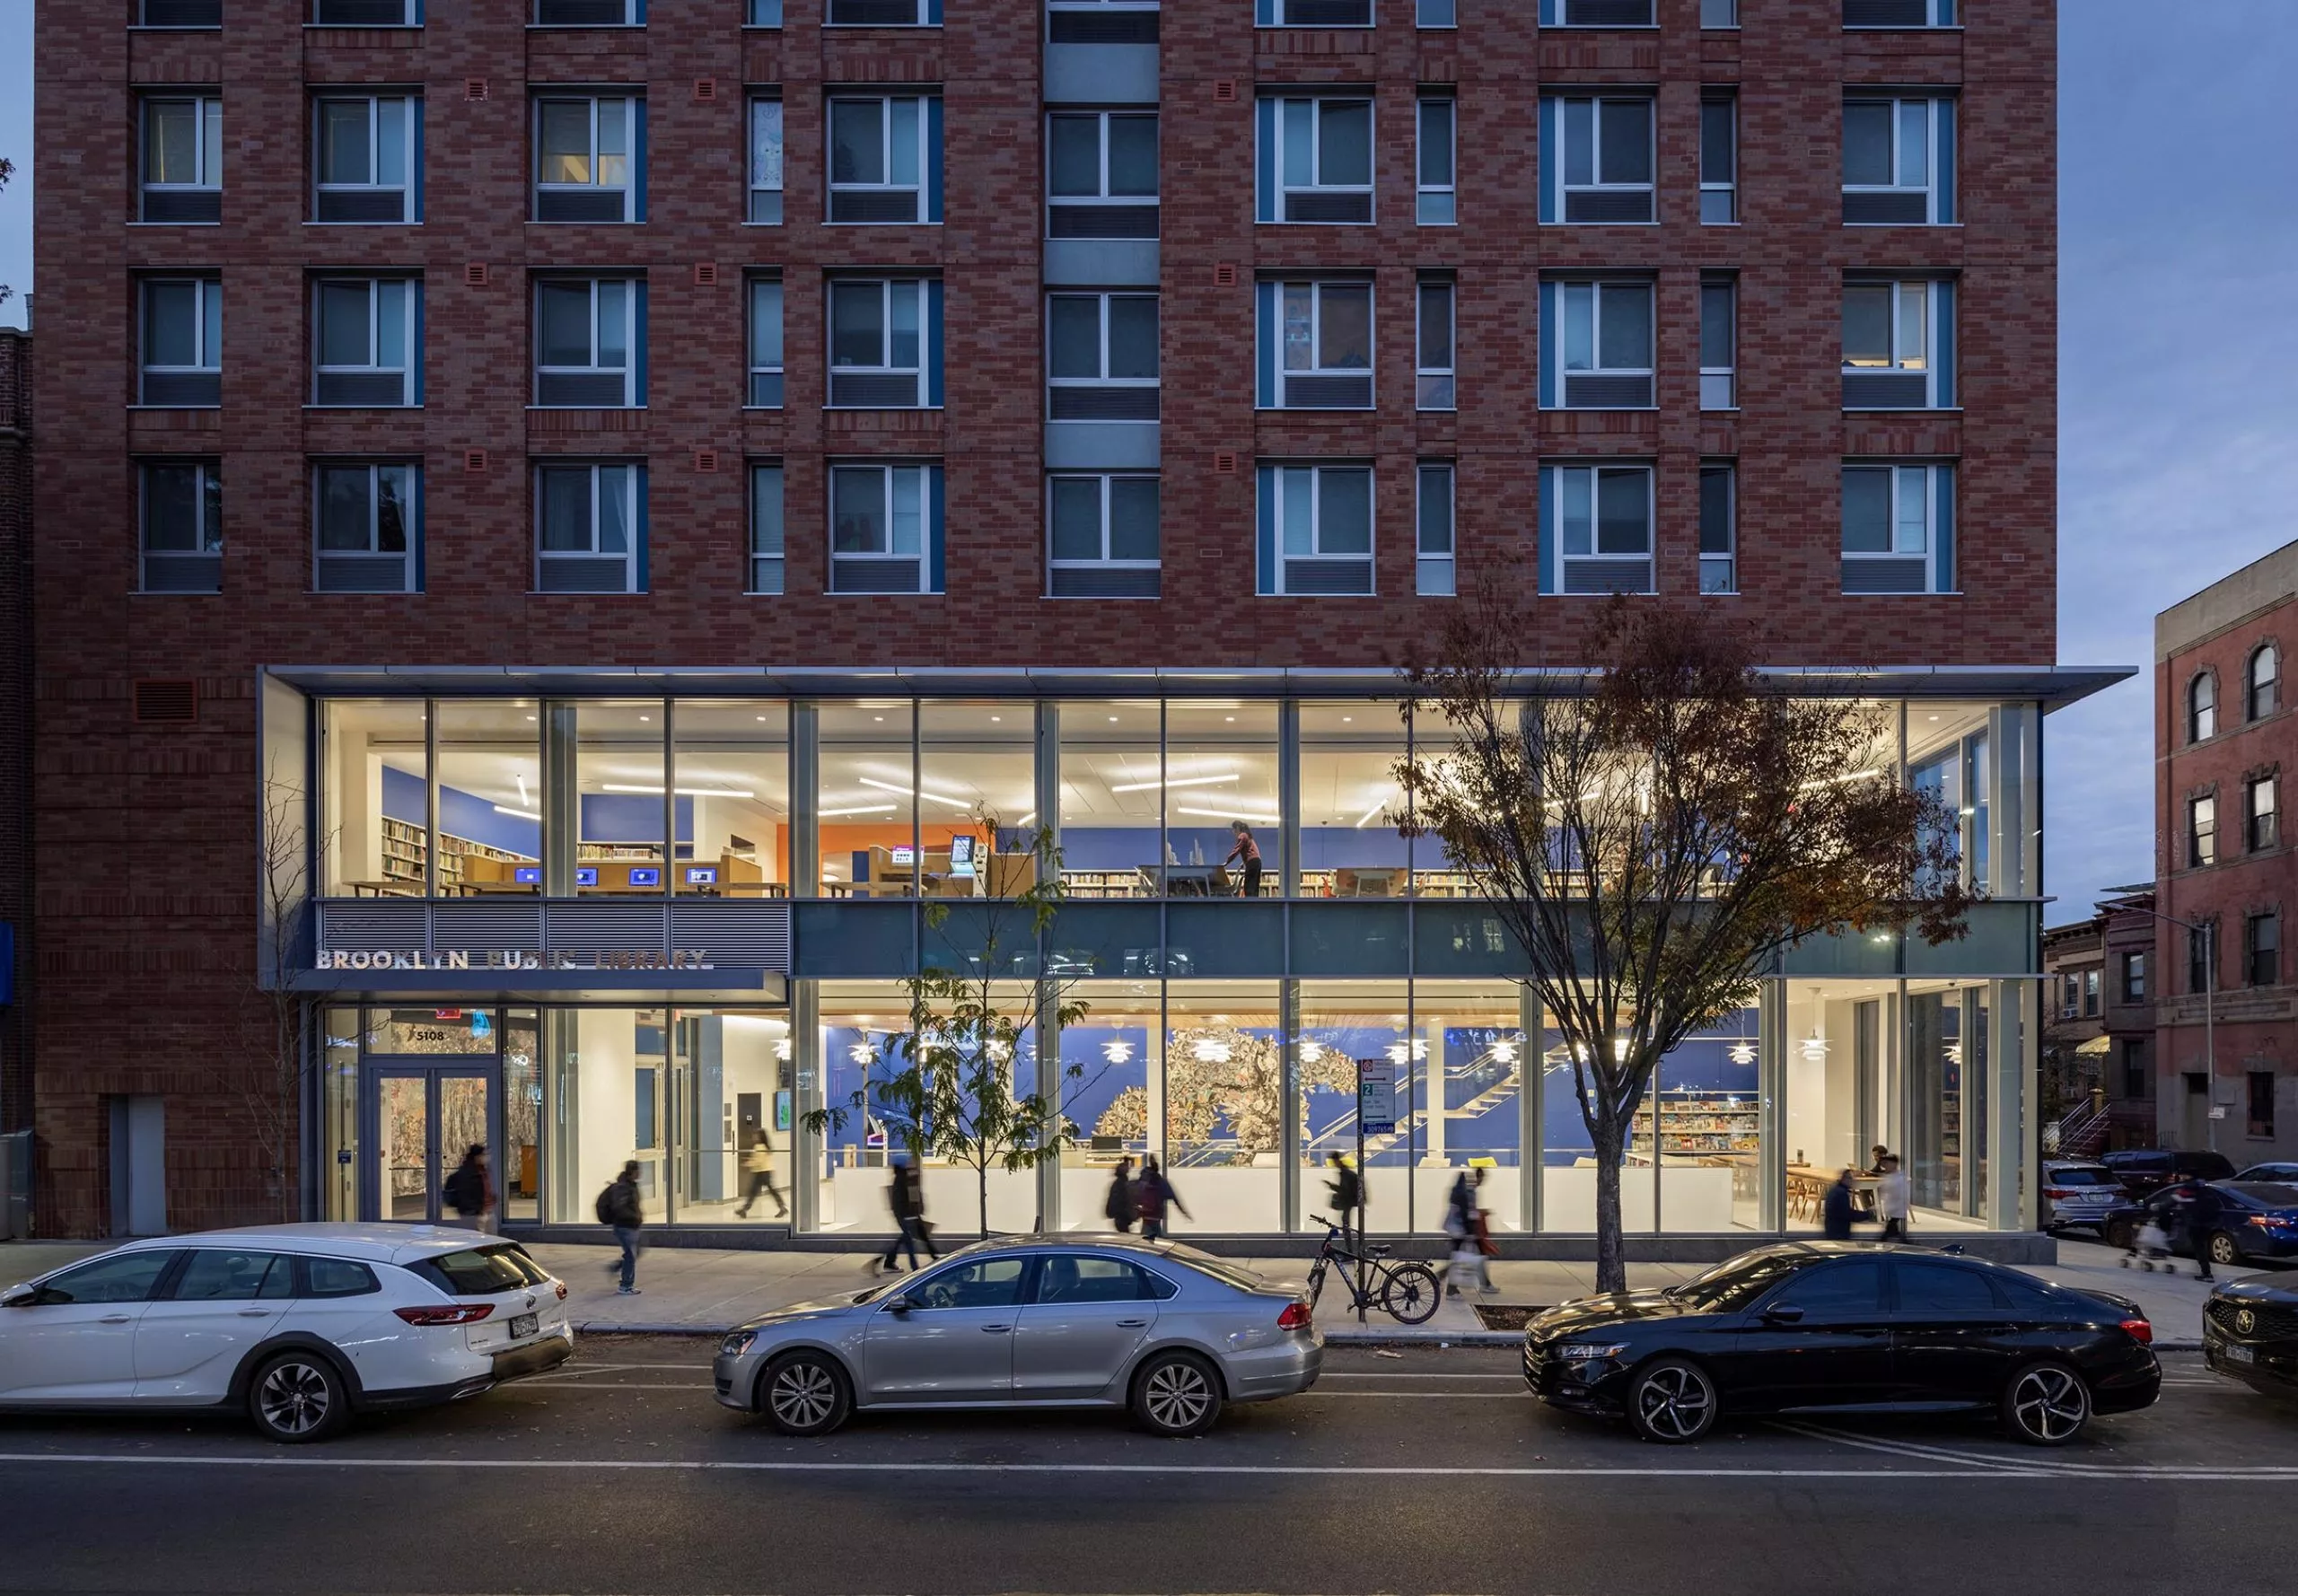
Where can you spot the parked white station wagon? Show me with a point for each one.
(299, 1326)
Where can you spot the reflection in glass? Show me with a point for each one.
(1342, 1022)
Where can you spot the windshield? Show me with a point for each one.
(481, 1271)
(1737, 1281)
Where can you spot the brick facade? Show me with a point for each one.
(15, 716)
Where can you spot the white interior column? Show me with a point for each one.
(1431, 1037)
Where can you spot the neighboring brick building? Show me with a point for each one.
(2101, 982)
(985, 380)
(2224, 743)
(15, 726)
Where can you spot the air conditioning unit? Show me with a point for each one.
(360, 13)
(874, 576)
(874, 205)
(1089, 401)
(183, 388)
(183, 573)
(582, 205)
(581, 389)
(1599, 575)
(874, 13)
(1101, 25)
(361, 387)
(1886, 391)
(1328, 14)
(609, 574)
(1314, 205)
(1104, 581)
(361, 204)
(1608, 14)
(873, 390)
(183, 206)
(183, 14)
(1349, 391)
(1911, 574)
(1596, 392)
(362, 574)
(1329, 576)
(1886, 208)
(1886, 13)
(1101, 221)
(1608, 204)
(581, 13)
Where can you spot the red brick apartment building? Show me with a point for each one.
(2225, 875)
(606, 489)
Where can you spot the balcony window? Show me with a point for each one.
(1102, 174)
(1435, 180)
(1433, 553)
(1596, 344)
(1436, 358)
(885, 158)
(1101, 357)
(1719, 528)
(883, 13)
(1899, 13)
(1100, 21)
(590, 528)
(587, 160)
(1719, 158)
(1102, 535)
(183, 342)
(766, 161)
(1597, 14)
(1315, 532)
(1313, 14)
(183, 158)
(1899, 160)
(885, 529)
(1314, 159)
(1719, 342)
(368, 339)
(590, 343)
(885, 343)
(182, 531)
(768, 537)
(1316, 345)
(368, 165)
(1899, 345)
(367, 528)
(1899, 528)
(766, 344)
(1596, 529)
(1596, 159)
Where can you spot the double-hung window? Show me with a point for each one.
(2261, 800)
(183, 341)
(1596, 343)
(590, 14)
(1899, 13)
(183, 158)
(885, 528)
(2202, 831)
(1898, 343)
(590, 527)
(1435, 359)
(766, 344)
(2202, 957)
(2263, 682)
(2133, 977)
(367, 14)
(367, 341)
(589, 157)
(1596, 158)
(885, 343)
(369, 165)
(1899, 160)
(591, 343)
(885, 157)
(1719, 342)
(767, 541)
(1597, 14)
(1316, 345)
(2202, 707)
(1719, 157)
(883, 13)
(1101, 174)
(1100, 21)
(2262, 949)
(766, 159)
(182, 527)
(1596, 529)
(1436, 170)
(1313, 160)
(366, 527)
(1315, 534)
(1719, 528)
(1899, 528)
(1102, 535)
(1101, 357)
(1313, 14)
(1433, 554)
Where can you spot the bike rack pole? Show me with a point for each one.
(1360, 1194)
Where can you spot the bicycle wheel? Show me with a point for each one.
(1410, 1292)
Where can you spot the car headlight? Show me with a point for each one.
(737, 1343)
(1580, 1352)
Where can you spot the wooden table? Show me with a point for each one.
(1807, 1189)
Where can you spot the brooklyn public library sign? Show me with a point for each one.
(506, 959)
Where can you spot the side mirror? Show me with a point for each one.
(17, 1296)
(1783, 1313)
(899, 1305)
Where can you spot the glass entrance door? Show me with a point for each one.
(420, 1117)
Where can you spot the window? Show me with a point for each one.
(590, 14)
(987, 1283)
(1899, 528)
(1314, 162)
(2090, 993)
(2202, 957)
(1313, 14)
(766, 533)
(1596, 529)
(2265, 682)
(1899, 13)
(181, 13)
(766, 344)
(1719, 14)
(1101, 536)
(366, 522)
(1101, 22)
(183, 341)
(1855, 1286)
(367, 341)
(1927, 1289)
(367, 14)
(1719, 528)
(1596, 160)
(2262, 949)
(1719, 341)
(1435, 180)
(2261, 803)
(1899, 160)
(2138, 1072)
(1596, 13)
(1899, 345)
(2202, 707)
(883, 13)
(119, 1277)
(216, 1274)
(1086, 1279)
(590, 528)
(1432, 575)
(1101, 174)
(1101, 357)
(1315, 529)
(1434, 357)
(885, 158)
(2133, 977)
(2202, 832)
(2070, 1001)
(338, 1278)
(766, 159)
(885, 529)
(1595, 346)
(367, 167)
(2261, 1096)
(587, 160)
(183, 527)
(1719, 157)
(765, 13)
(1437, 13)
(590, 343)
(885, 343)
(1316, 345)
(183, 158)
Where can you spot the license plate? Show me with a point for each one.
(524, 1325)
(2240, 1354)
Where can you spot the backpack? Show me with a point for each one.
(604, 1207)
(458, 1191)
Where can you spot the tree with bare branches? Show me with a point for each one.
(1656, 833)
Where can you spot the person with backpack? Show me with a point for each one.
(906, 1194)
(1122, 1206)
(2196, 1209)
(757, 1173)
(1346, 1189)
(620, 1209)
(469, 1191)
(1153, 1195)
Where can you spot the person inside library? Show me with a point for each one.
(1247, 851)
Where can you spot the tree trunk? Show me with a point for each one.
(981, 1175)
(1611, 1264)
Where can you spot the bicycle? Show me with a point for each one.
(1406, 1290)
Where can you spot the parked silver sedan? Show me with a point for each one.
(1033, 1321)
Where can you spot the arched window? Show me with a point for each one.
(2202, 707)
(2266, 680)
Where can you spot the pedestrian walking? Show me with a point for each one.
(618, 1207)
(1245, 850)
(1486, 1249)
(1459, 1225)
(1346, 1189)
(1155, 1196)
(758, 1176)
(906, 1194)
(2197, 1208)
(1840, 1211)
(469, 1191)
(1893, 1201)
(1123, 1204)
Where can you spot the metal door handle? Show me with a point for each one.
(1131, 1324)
(116, 1318)
(258, 1312)
(996, 1329)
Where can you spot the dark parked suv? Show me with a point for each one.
(2249, 1330)
(2142, 1172)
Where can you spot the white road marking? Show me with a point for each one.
(2071, 1467)
(1378, 1374)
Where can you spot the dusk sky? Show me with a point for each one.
(2178, 358)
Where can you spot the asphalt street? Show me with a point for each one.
(1427, 1471)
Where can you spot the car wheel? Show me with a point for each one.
(1672, 1401)
(2224, 1248)
(298, 1396)
(2046, 1405)
(2117, 1232)
(1177, 1393)
(805, 1394)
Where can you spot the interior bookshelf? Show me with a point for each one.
(1699, 1124)
(403, 851)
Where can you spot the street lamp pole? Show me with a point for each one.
(2209, 932)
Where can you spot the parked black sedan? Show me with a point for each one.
(2249, 1330)
(1844, 1325)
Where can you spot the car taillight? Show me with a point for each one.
(2057, 1192)
(460, 1313)
(1295, 1317)
(2138, 1329)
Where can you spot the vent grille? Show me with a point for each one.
(167, 701)
(873, 576)
(705, 89)
(1329, 393)
(475, 274)
(1608, 14)
(183, 388)
(371, 389)
(705, 460)
(1086, 27)
(1886, 13)
(874, 205)
(1886, 391)
(1224, 274)
(1910, 575)
(366, 925)
(362, 205)
(1882, 208)
(360, 13)
(183, 206)
(1608, 204)
(580, 14)
(1112, 403)
(482, 924)
(474, 460)
(362, 574)
(183, 14)
(1224, 463)
(1341, 207)
(609, 574)
(874, 390)
(747, 936)
(1328, 14)
(1329, 576)
(1103, 581)
(590, 923)
(1607, 393)
(474, 88)
(1101, 221)
(1224, 90)
(1607, 576)
(874, 13)
(582, 205)
(705, 274)
(183, 574)
(580, 389)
